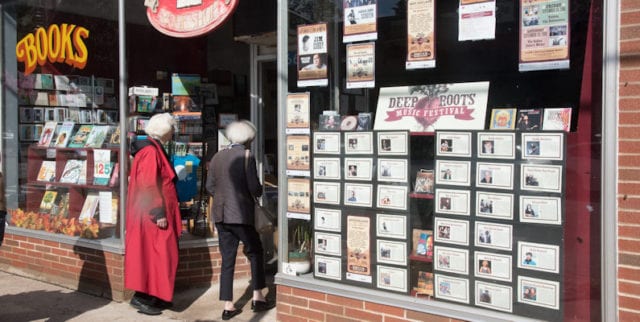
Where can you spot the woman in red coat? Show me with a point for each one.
(153, 220)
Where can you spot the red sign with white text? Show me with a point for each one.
(188, 18)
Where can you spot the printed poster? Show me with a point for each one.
(298, 113)
(544, 34)
(298, 155)
(360, 20)
(477, 20)
(361, 63)
(426, 108)
(312, 55)
(421, 51)
(358, 249)
(298, 200)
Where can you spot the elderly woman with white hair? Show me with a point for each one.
(153, 220)
(233, 183)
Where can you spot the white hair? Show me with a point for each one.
(159, 125)
(240, 132)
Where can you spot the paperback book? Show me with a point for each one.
(47, 172)
(97, 136)
(81, 136)
(64, 134)
(102, 167)
(48, 133)
(424, 181)
(72, 172)
(48, 200)
(423, 243)
(89, 207)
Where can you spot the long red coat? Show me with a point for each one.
(151, 253)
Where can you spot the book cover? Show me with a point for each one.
(503, 119)
(73, 171)
(424, 285)
(61, 205)
(364, 122)
(47, 172)
(48, 133)
(422, 243)
(115, 175)
(105, 207)
(89, 207)
(44, 81)
(102, 167)
(81, 136)
(61, 82)
(64, 134)
(424, 181)
(48, 200)
(557, 119)
(53, 99)
(97, 136)
(114, 138)
(329, 122)
(529, 119)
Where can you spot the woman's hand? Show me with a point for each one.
(162, 223)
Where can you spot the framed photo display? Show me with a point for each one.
(328, 267)
(493, 266)
(392, 252)
(391, 226)
(452, 288)
(329, 244)
(543, 146)
(392, 197)
(451, 231)
(539, 177)
(326, 142)
(392, 278)
(358, 142)
(538, 292)
(393, 143)
(358, 169)
(496, 145)
(491, 235)
(456, 173)
(392, 170)
(452, 260)
(358, 195)
(327, 168)
(454, 144)
(494, 296)
(326, 192)
(494, 205)
(327, 219)
(453, 202)
(539, 257)
(541, 210)
(494, 175)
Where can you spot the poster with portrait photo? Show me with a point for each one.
(358, 194)
(454, 144)
(392, 252)
(538, 292)
(358, 142)
(496, 145)
(326, 168)
(420, 34)
(391, 226)
(361, 64)
(298, 155)
(326, 192)
(457, 173)
(326, 243)
(392, 170)
(542, 146)
(392, 278)
(494, 175)
(451, 231)
(496, 236)
(541, 210)
(493, 266)
(393, 143)
(452, 260)
(503, 119)
(326, 142)
(539, 257)
(537, 177)
(360, 21)
(327, 219)
(312, 55)
(360, 169)
(358, 249)
(494, 296)
(453, 202)
(452, 288)
(298, 199)
(494, 205)
(392, 197)
(298, 113)
(328, 267)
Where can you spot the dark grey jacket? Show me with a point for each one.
(232, 188)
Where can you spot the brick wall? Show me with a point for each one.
(629, 163)
(298, 305)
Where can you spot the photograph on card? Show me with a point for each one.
(494, 205)
(452, 288)
(494, 296)
(494, 175)
(328, 267)
(451, 231)
(452, 260)
(539, 292)
(392, 197)
(298, 196)
(327, 219)
(391, 226)
(454, 144)
(539, 257)
(358, 248)
(393, 278)
(456, 173)
(393, 143)
(491, 235)
(541, 210)
(392, 170)
(392, 252)
(326, 192)
(543, 146)
(358, 169)
(326, 142)
(453, 202)
(358, 142)
(493, 266)
(329, 244)
(358, 194)
(496, 145)
(422, 245)
(544, 178)
(327, 168)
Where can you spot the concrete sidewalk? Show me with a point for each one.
(24, 299)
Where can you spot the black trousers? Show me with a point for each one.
(230, 236)
(3, 220)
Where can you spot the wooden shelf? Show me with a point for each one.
(422, 133)
(421, 259)
(421, 195)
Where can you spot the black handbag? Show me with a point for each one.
(264, 219)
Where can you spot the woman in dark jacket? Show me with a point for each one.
(233, 183)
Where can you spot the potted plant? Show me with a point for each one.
(300, 247)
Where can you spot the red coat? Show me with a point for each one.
(151, 253)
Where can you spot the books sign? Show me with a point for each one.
(183, 19)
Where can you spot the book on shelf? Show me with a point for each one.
(423, 244)
(114, 136)
(424, 285)
(115, 175)
(48, 200)
(97, 136)
(72, 172)
(529, 119)
(80, 138)
(61, 205)
(102, 167)
(44, 81)
(503, 119)
(107, 211)
(89, 207)
(424, 181)
(64, 134)
(47, 172)
(557, 119)
(48, 133)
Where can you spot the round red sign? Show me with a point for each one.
(188, 18)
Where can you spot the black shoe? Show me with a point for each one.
(137, 302)
(226, 315)
(149, 310)
(259, 306)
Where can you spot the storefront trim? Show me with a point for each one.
(110, 246)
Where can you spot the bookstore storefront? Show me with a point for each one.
(443, 160)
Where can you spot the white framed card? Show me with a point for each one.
(393, 143)
(358, 194)
(491, 235)
(326, 168)
(494, 296)
(391, 226)
(494, 175)
(392, 278)
(328, 267)
(496, 145)
(452, 260)
(452, 288)
(392, 252)
(392, 170)
(541, 210)
(493, 266)
(539, 257)
(454, 144)
(326, 192)
(326, 243)
(539, 292)
(327, 219)
(453, 202)
(326, 142)
(358, 169)
(392, 197)
(457, 173)
(358, 142)
(451, 231)
(538, 177)
(543, 146)
(494, 205)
